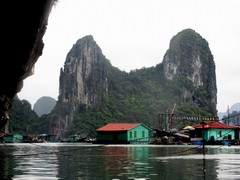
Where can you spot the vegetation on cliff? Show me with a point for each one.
(23, 120)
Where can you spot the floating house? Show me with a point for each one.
(17, 138)
(123, 133)
(8, 138)
(214, 132)
(12, 138)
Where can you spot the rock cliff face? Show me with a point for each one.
(25, 24)
(188, 48)
(189, 56)
(84, 76)
(82, 80)
(88, 82)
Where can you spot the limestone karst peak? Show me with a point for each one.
(91, 89)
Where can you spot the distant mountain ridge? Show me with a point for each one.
(44, 105)
(234, 107)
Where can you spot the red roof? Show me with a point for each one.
(214, 124)
(118, 126)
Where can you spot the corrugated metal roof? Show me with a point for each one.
(118, 126)
(214, 124)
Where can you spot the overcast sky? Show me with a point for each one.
(136, 33)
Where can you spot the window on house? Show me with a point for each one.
(135, 134)
(130, 134)
(220, 134)
(143, 133)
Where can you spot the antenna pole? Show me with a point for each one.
(228, 116)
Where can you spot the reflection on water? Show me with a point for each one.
(87, 161)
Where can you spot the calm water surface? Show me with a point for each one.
(86, 161)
